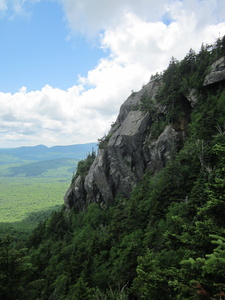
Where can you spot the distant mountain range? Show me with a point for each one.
(43, 161)
(41, 152)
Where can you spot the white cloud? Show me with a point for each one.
(90, 17)
(50, 116)
(141, 37)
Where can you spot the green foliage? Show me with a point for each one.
(150, 282)
(212, 265)
(24, 202)
(103, 142)
(84, 166)
(80, 291)
(147, 104)
(40, 161)
(15, 268)
(215, 204)
(44, 168)
(43, 153)
(167, 240)
(157, 128)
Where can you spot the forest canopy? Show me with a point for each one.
(167, 241)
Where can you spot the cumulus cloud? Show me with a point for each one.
(87, 16)
(50, 116)
(140, 36)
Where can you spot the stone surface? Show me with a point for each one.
(129, 149)
(126, 154)
(217, 72)
(192, 98)
(160, 150)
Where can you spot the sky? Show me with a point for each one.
(66, 66)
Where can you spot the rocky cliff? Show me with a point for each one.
(217, 72)
(141, 139)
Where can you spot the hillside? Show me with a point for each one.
(33, 182)
(144, 219)
(41, 152)
(41, 161)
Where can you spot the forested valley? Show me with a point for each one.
(33, 181)
(166, 241)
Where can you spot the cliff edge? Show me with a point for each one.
(141, 139)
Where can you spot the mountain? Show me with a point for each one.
(147, 133)
(41, 160)
(41, 152)
(144, 218)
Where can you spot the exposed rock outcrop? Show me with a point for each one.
(217, 72)
(135, 143)
(159, 151)
(191, 96)
(126, 152)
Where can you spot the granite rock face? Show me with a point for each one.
(133, 145)
(126, 152)
(217, 72)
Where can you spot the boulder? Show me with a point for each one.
(217, 72)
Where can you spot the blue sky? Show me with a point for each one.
(36, 49)
(66, 66)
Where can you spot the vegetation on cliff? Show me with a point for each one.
(167, 241)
